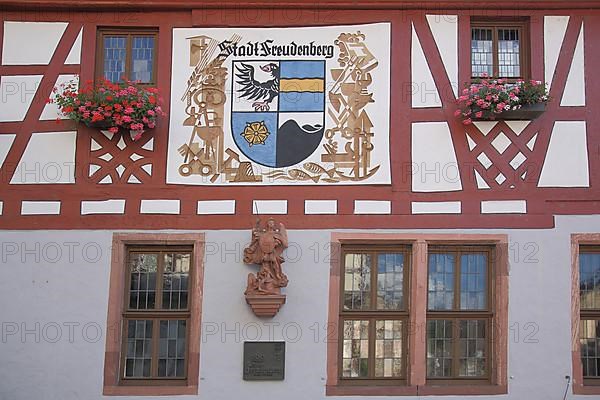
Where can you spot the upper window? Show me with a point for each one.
(589, 327)
(374, 314)
(127, 54)
(459, 315)
(499, 48)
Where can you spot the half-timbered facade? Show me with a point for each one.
(426, 256)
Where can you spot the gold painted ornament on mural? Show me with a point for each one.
(255, 133)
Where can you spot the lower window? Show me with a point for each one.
(154, 315)
(156, 318)
(459, 313)
(589, 325)
(374, 315)
(419, 316)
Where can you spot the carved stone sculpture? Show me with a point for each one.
(263, 291)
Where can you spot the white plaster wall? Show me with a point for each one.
(444, 29)
(30, 42)
(424, 91)
(554, 33)
(61, 290)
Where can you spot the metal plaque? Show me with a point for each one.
(264, 361)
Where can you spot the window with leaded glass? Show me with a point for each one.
(589, 326)
(499, 48)
(459, 313)
(156, 314)
(374, 314)
(127, 54)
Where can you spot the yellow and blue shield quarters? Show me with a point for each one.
(278, 110)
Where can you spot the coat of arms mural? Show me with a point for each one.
(280, 106)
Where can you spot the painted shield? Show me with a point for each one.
(278, 110)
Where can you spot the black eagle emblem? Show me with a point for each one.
(262, 92)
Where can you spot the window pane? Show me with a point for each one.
(390, 279)
(589, 280)
(439, 348)
(473, 281)
(589, 340)
(142, 58)
(138, 358)
(509, 53)
(481, 52)
(357, 281)
(472, 348)
(355, 357)
(114, 57)
(388, 349)
(175, 281)
(441, 281)
(142, 291)
(171, 348)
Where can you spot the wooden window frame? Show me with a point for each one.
(114, 383)
(129, 33)
(588, 242)
(521, 24)
(456, 314)
(373, 314)
(156, 314)
(416, 382)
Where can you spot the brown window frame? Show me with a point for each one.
(456, 314)
(156, 315)
(588, 313)
(522, 25)
(113, 384)
(417, 383)
(129, 33)
(373, 314)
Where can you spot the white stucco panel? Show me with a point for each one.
(436, 207)
(372, 207)
(574, 94)
(40, 207)
(6, 142)
(504, 207)
(435, 168)
(51, 110)
(159, 206)
(554, 33)
(320, 207)
(269, 207)
(48, 158)
(424, 92)
(445, 32)
(566, 162)
(30, 43)
(112, 206)
(16, 95)
(74, 56)
(210, 207)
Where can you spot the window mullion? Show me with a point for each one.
(371, 361)
(374, 271)
(496, 68)
(159, 281)
(457, 271)
(154, 362)
(455, 347)
(128, 56)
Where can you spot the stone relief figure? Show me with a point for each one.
(265, 250)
